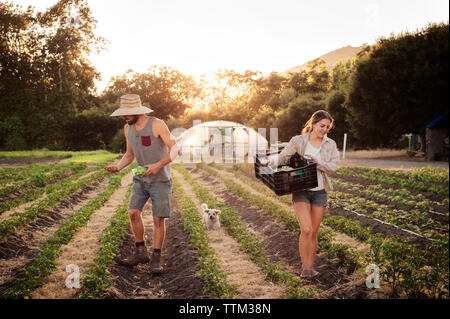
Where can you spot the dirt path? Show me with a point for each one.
(233, 261)
(6, 214)
(82, 249)
(365, 221)
(21, 248)
(339, 237)
(179, 278)
(281, 245)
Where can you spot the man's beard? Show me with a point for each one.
(134, 120)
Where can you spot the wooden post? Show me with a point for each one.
(345, 145)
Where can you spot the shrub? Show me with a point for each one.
(118, 143)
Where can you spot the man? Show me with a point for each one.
(150, 142)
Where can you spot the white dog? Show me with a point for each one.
(210, 217)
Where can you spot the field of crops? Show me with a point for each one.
(64, 225)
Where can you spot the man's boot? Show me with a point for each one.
(140, 256)
(155, 263)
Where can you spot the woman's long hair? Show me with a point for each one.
(317, 117)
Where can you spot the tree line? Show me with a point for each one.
(48, 97)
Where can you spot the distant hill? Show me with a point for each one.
(330, 58)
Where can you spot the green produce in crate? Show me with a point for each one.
(139, 170)
(302, 173)
(283, 168)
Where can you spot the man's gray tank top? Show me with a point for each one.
(149, 149)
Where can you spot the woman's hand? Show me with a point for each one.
(313, 159)
(266, 162)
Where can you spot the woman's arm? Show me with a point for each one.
(331, 165)
(286, 153)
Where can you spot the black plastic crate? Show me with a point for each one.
(302, 176)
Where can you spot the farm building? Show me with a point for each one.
(437, 138)
(221, 138)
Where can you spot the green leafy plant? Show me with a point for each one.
(44, 264)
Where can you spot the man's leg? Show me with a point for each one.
(159, 232)
(137, 201)
(137, 225)
(160, 194)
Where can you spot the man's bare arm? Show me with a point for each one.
(163, 132)
(127, 158)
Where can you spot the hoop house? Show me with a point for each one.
(229, 138)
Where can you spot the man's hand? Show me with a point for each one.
(266, 162)
(112, 169)
(152, 169)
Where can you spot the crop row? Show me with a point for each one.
(424, 174)
(400, 196)
(410, 272)
(210, 272)
(389, 180)
(249, 242)
(337, 223)
(352, 203)
(412, 220)
(44, 263)
(345, 255)
(60, 190)
(8, 174)
(39, 178)
(96, 279)
(35, 193)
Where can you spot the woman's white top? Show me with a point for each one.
(315, 152)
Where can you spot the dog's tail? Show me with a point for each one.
(204, 206)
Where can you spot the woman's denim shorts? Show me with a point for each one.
(160, 193)
(315, 198)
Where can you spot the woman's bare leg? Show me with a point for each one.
(316, 219)
(305, 243)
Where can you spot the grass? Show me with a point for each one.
(375, 153)
(98, 156)
(90, 157)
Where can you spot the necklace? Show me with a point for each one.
(136, 131)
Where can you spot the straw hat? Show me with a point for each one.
(130, 104)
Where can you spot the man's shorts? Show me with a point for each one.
(159, 192)
(315, 198)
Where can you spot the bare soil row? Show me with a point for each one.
(20, 249)
(375, 225)
(281, 245)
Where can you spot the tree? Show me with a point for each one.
(166, 91)
(267, 92)
(339, 85)
(335, 106)
(340, 74)
(314, 79)
(399, 85)
(291, 120)
(45, 77)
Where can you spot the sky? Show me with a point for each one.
(200, 36)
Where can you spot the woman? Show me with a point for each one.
(309, 205)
